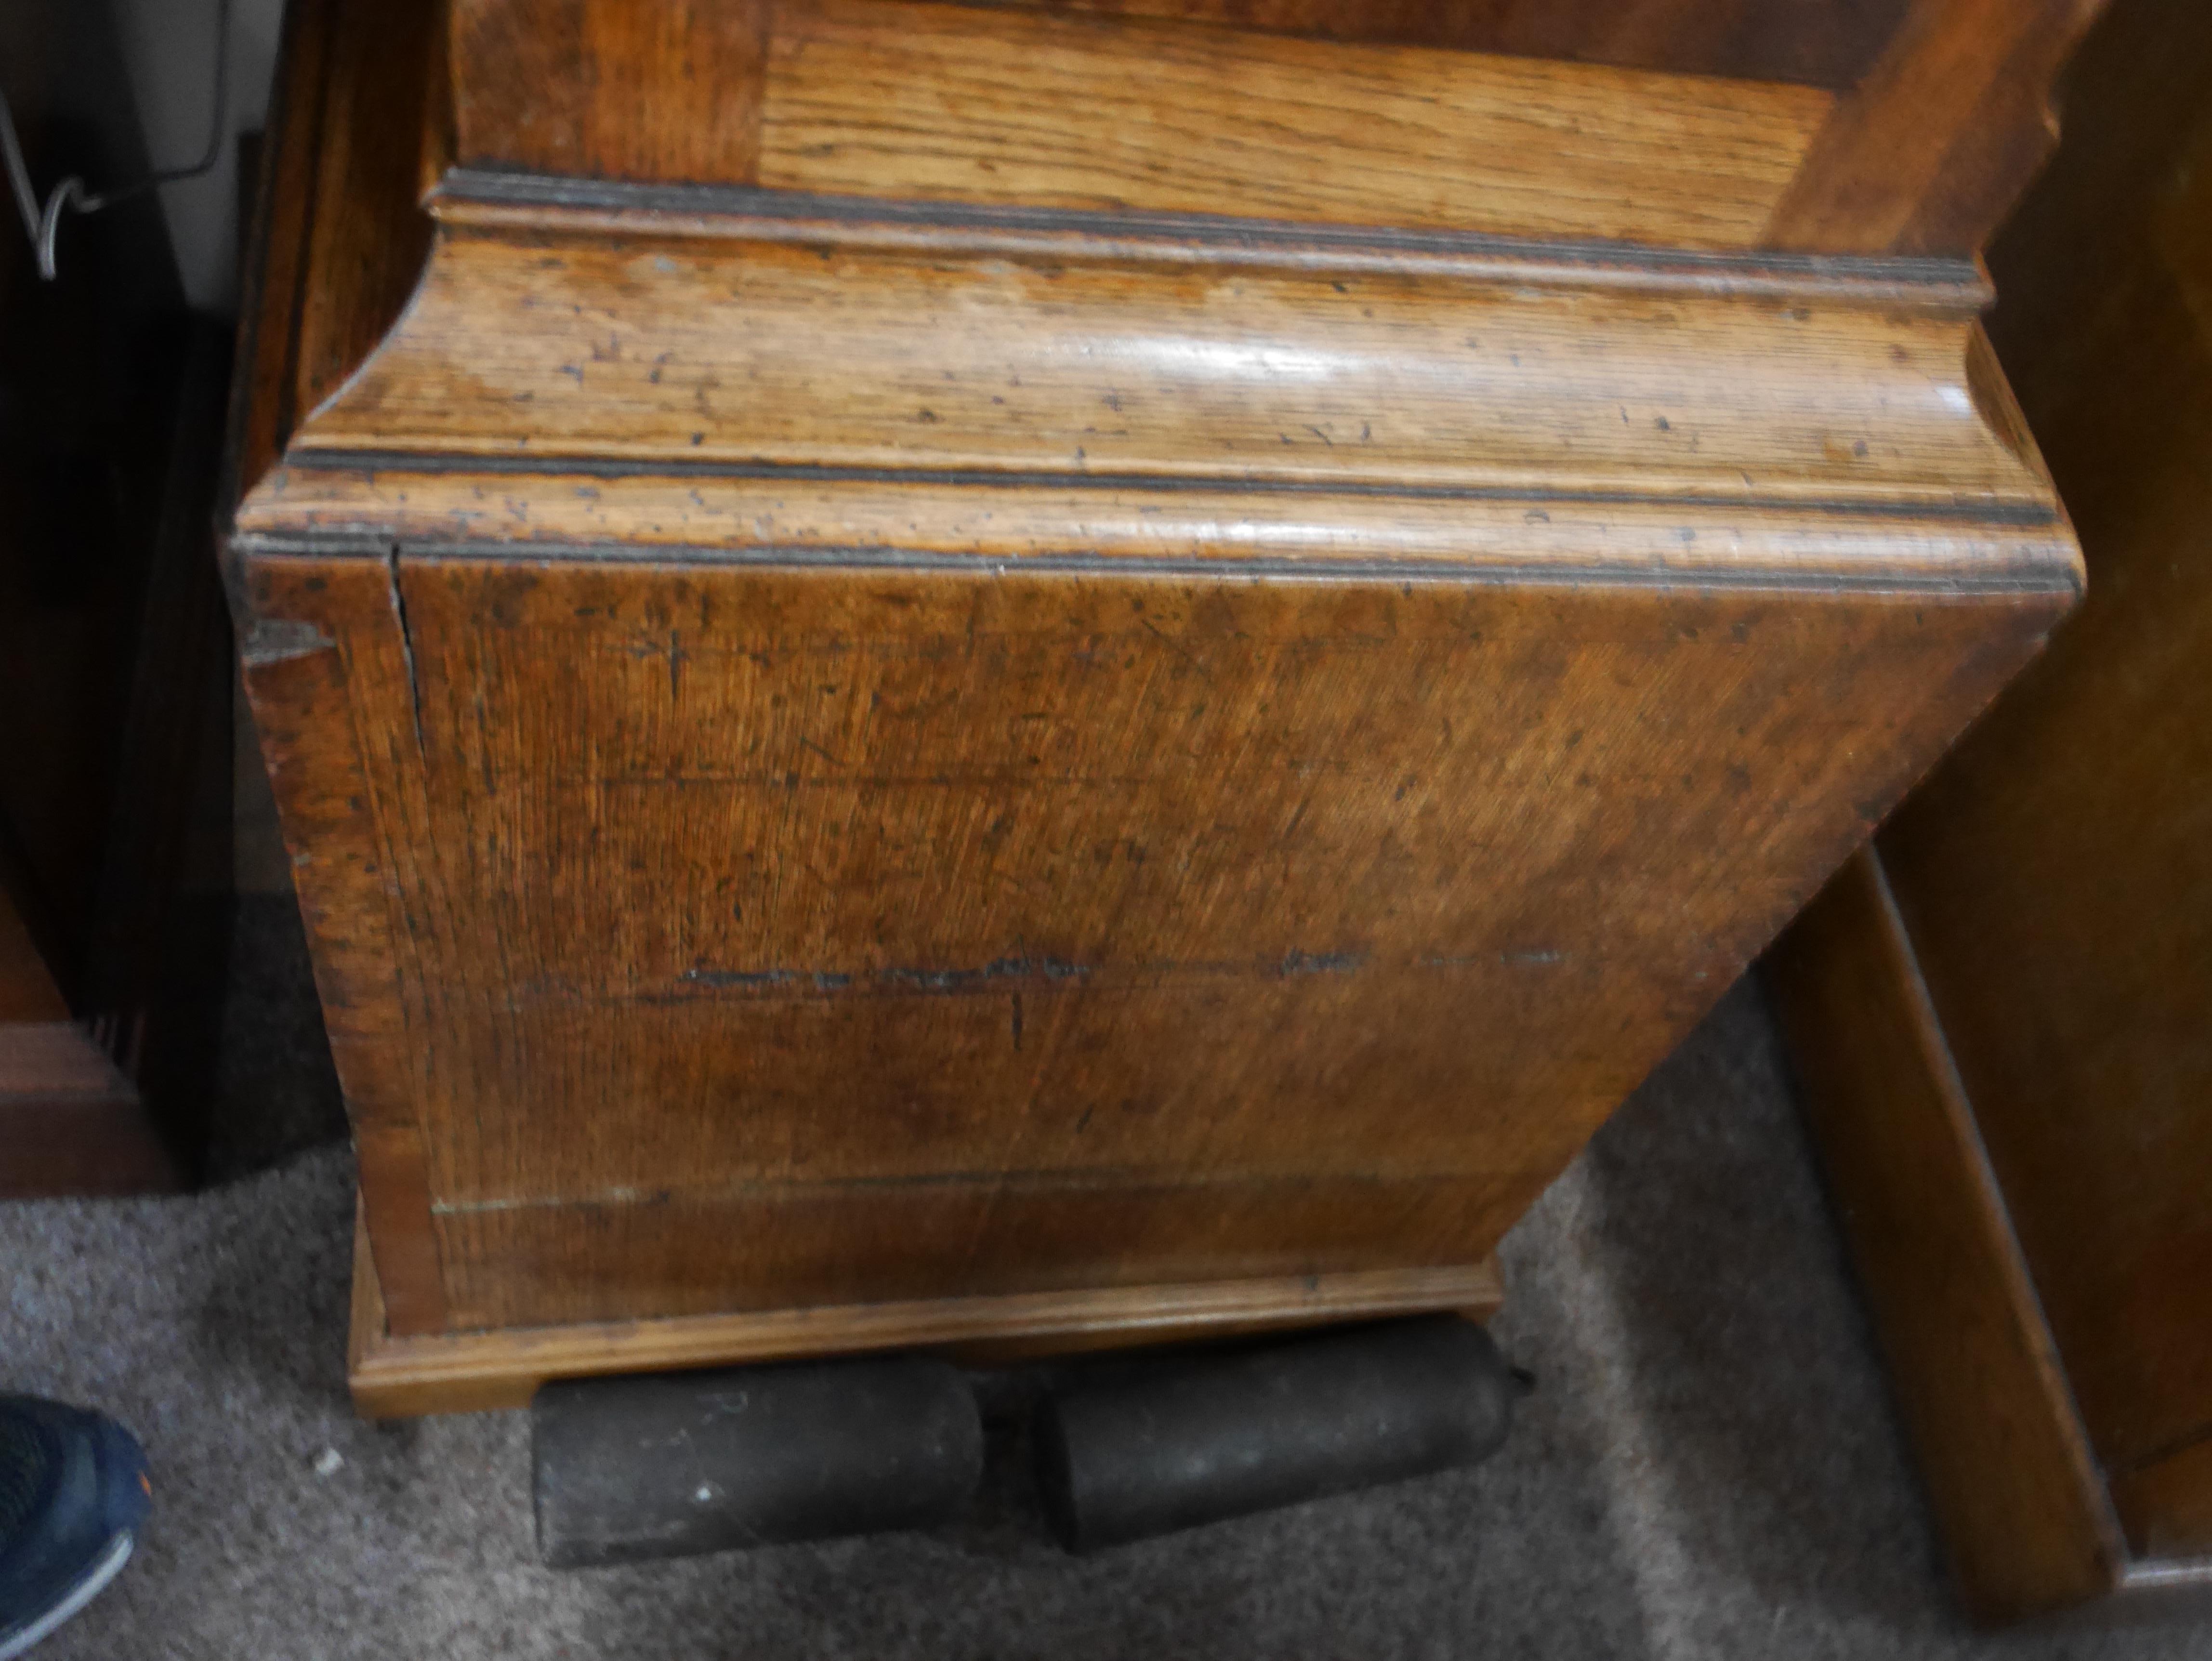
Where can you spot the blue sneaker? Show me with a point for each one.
(73, 1493)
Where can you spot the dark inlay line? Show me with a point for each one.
(1956, 281)
(1005, 971)
(1773, 576)
(556, 466)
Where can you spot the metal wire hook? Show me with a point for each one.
(43, 224)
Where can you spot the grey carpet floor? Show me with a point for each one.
(1711, 1467)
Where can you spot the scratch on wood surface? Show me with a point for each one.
(1016, 969)
(1525, 957)
(762, 977)
(1322, 962)
(407, 651)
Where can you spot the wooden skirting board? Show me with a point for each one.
(2027, 1513)
(473, 1372)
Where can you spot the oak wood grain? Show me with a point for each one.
(958, 102)
(949, 103)
(1007, 915)
(1302, 109)
(610, 88)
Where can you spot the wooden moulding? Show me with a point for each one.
(739, 377)
(2024, 1511)
(465, 1373)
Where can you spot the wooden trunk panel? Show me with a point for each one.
(889, 97)
(720, 878)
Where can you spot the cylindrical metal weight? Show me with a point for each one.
(671, 1464)
(1205, 1436)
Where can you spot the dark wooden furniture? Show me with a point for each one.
(71, 1120)
(2002, 1012)
(1045, 675)
(114, 658)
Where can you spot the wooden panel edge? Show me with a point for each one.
(462, 1373)
(2026, 1521)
